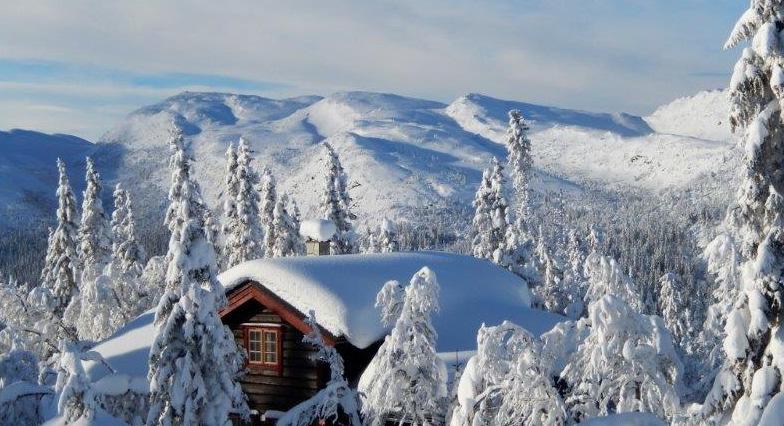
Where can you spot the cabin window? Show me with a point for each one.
(264, 346)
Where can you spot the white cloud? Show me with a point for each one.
(595, 54)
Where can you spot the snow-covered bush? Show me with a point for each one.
(508, 381)
(337, 402)
(20, 395)
(76, 402)
(627, 363)
(406, 381)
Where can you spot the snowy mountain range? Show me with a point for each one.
(401, 154)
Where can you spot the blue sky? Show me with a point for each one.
(79, 66)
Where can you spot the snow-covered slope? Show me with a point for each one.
(28, 174)
(614, 151)
(402, 154)
(702, 116)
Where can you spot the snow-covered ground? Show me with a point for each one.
(400, 153)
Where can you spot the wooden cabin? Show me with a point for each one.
(281, 368)
(268, 300)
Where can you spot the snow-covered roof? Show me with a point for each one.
(318, 229)
(342, 290)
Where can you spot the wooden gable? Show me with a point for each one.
(296, 376)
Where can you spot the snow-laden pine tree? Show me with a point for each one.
(406, 381)
(520, 167)
(194, 361)
(382, 239)
(100, 309)
(269, 197)
(337, 402)
(605, 276)
(673, 308)
(491, 215)
(244, 235)
(388, 237)
(95, 239)
(626, 364)
(754, 365)
(288, 241)
(516, 252)
(229, 196)
(574, 280)
(531, 397)
(507, 382)
(335, 203)
(722, 259)
(128, 259)
(61, 273)
(551, 291)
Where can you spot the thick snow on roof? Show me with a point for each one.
(342, 290)
(317, 229)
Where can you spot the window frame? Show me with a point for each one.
(276, 329)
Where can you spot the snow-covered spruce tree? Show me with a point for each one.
(406, 381)
(752, 372)
(531, 397)
(335, 203)
(673, 308)
(62, 274)
(574, 281)
(507, 382)
(336, 402)
(480, 391)
(551, 292)
(95, 239)
(626, 364)
(520, 166)
(128, 259)
(101, 309)
(605, 277)
(269, 197)
(288, 241)
(243, 231)
(516, 252)
(722, 259)
(382, 239)
(229, 196)
(387, 237)
(491, 216)
(194, 361)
